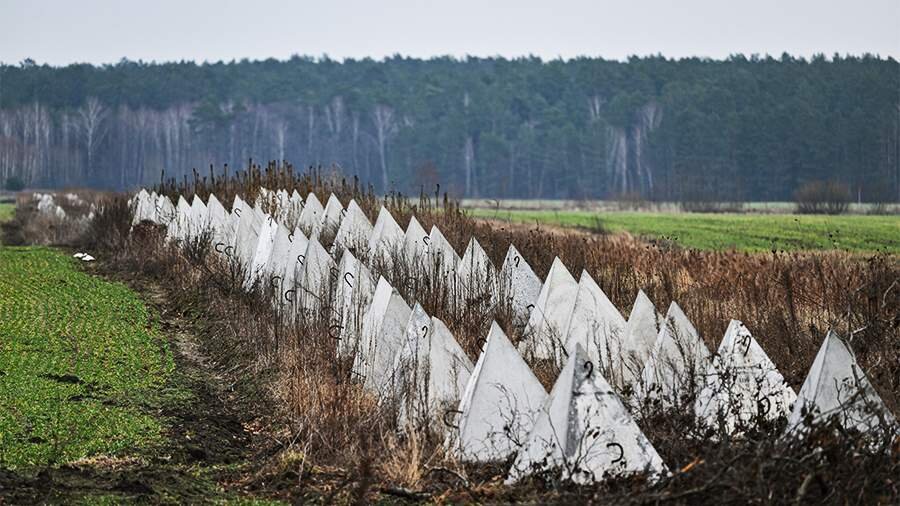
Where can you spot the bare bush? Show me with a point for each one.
(822, 197)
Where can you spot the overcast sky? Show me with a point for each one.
(104, 31)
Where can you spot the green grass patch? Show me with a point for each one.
(6, 211)
(744, 232)
(80, 361)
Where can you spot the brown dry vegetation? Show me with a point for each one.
(330, 439)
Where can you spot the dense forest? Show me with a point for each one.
(746, 128)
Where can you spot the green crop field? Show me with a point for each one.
(744, 232)
(6, 211)
(80, 361)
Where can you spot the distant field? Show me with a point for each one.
(79, 362)
(744, 232)
(647, 206)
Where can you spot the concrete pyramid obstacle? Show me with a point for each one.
(264, 244)
(264, 195)
(640, 334)
(281, 205)
(353, 294)
(178, 228)
(218, 223)
(550, 315)
(386, 239)
(442, 259)
(595, 324)
(836, 388)
(311, 214)
(499, 405)
(435, 371)
(403, 367)
(476, 276)
(313, 283)
(585, 431)
(293, 208)
(331, 216)
(382, 338)
(165, 210)
(250, 224)
(519, 284)
(293, 265)
(278, 259)
(199, 221)
(677, 362)
(354, 231)
(415, 243)
(142, 206)
(237, 209)
(742, 385)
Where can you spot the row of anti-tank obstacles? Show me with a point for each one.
(496, 408)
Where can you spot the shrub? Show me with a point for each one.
(822, 197)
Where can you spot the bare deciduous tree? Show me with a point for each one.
(91, 116)
(385, 127)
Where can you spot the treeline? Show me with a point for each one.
(689, 129)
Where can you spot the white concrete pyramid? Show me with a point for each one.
(382, 338)
(519, 284)
(264, 195)
(313, 285)
(279, 258)
(293, 208)
(678, 361)
(386, 239)
(417, 327)
(237, 210)
(143, 207)
(595, 324)
(311, 214)
(249, 226)
(354, 231)
(640, 334)
(415, 242)
(435, 371)
(344, 285)
(199, 221)
(742, 385)
(476, 276)
(281, 201)
(836, 387)
(550, 315)
(499, 405)
(165, 210)
(218, 223)
(331, 216)
(585, 431)
(442, 260)
(353, 295)
(264, 244)
(296, 255)
(178, 228)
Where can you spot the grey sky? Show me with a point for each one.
(104, 31)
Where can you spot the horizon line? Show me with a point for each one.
(325, 57)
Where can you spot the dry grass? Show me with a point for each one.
(787, 300)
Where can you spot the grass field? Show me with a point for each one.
(80, 362)
(6, 211)
(744, 232)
